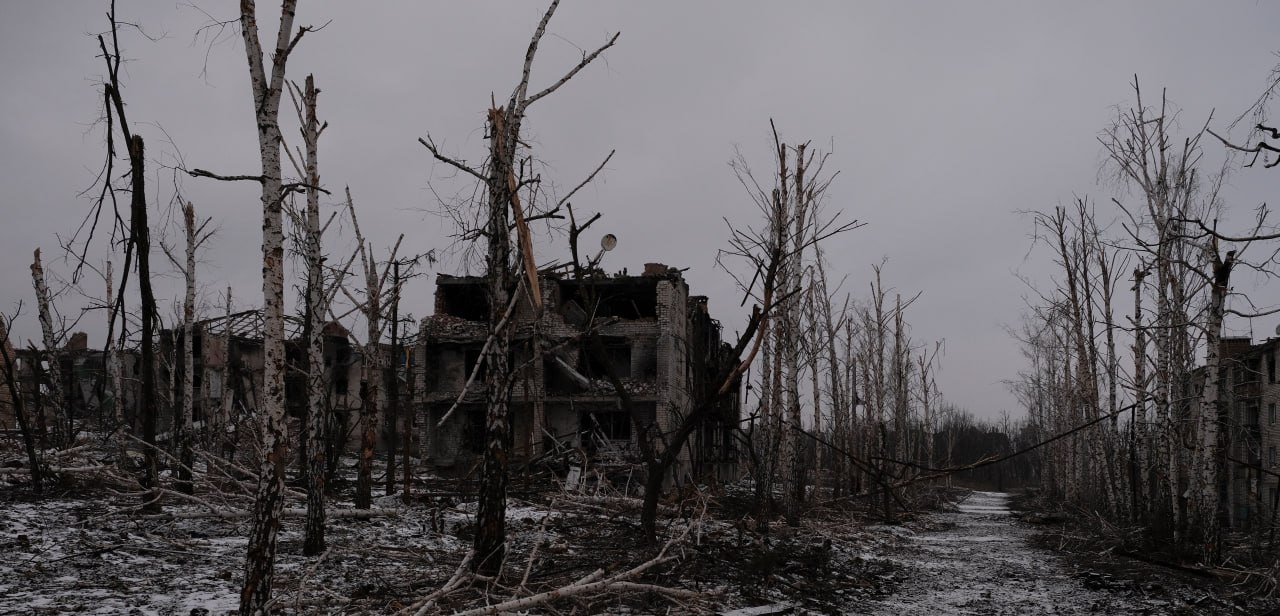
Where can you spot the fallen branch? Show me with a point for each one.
(596, 582)
(293, 512)
(423, 605)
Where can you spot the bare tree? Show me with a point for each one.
(51, 339)
(773, 256)
(313, 450)
(13, 389)
(137, 246)
(374, 357)
(195, 236)
(269, 498)
(502, 183)
(1142, 151)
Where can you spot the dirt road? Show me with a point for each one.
(982, 563)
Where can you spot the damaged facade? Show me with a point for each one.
(1251, 393)
(227, 381)
(658, 340)
(81, 379)
(229, 364)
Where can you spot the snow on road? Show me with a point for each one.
(983, 564)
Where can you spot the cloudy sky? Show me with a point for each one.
(944, 119)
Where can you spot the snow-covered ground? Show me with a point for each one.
(982, 563)
(93, 555)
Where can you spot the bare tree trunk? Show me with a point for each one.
(851, 400)
(813, 339)
(1117, 479)
(115, 378)
(763, 430)
(9, 372)
(269, 499)
(793, 475)
(370, 365)
(406, 415)
(141, 235)
(1212, 509)
(313, 540)
(899, 366)
(1139, 426)
(56, 398)
(393, 386)
(536, 433)
(184, 428)
(926, 408)
(226, 431)
(491, 532)
(502, 192)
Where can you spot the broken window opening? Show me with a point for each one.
(609, 425)
(617, 355)
(295, 394)
(559, 376)
(465, 301)
(473, 431)
(620, 298)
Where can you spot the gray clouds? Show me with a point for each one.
(944, 119)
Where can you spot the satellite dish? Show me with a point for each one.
(1278, 330)
(609, 241)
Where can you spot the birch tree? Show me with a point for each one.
(55, 399)
(316, 308)
(502, 183)
(183, 427)
(773, 254)
(1163, 172)
(266, 89)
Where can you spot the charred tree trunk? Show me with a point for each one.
(491, 533)
(141, 237)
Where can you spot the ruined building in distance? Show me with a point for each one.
(661, 342)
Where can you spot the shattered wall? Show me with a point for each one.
(646, 342)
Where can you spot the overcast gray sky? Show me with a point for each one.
(945, 119)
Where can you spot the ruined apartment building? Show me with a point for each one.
(1250, 394)
(80, 370)
(659, 340)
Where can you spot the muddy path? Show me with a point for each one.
(982, 562)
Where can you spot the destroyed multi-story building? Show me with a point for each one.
(659, 341)
(229, 371)
(82, 394)
(1250, 395)
(227, 382)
